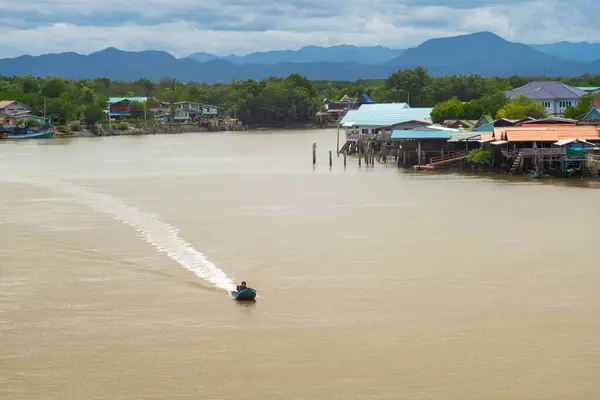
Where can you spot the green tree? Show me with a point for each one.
(137, 110)
(53, 88)
(481, 156)
(451, 109)
(583, 106)
(521, 107)
(93, 114)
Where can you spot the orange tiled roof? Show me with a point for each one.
(546, 133)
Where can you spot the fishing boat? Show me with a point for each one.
(32, 135)
(45, 132)
(245, 294)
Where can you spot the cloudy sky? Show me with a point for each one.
(242, 26)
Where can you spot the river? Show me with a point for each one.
(374, 283)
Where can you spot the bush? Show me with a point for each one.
(481, 156)
(123, 126)
(75, 126)
(64, 128)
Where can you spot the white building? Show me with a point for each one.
(11, 107)
(554, 96)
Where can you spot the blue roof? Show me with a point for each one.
(367, 98)
(588, 88)
(485, 128)
(112, 100)
(383, 115)
(420, 134)
(594, 113)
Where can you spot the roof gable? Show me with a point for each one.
(593, 114)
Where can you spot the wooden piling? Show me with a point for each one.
(344, 159)
(330, 160)
(359, 159)
(314, 153)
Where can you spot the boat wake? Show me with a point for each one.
(162, 236)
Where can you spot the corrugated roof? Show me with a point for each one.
(588, 88)
(420, 134)
(383, 115)
(6, 103)
(485, 128)
(550, 120)
(112, 100)
(546, 134)
(594, 113)
(544, 90)
(463, 136)
(568, 141)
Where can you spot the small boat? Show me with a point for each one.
(46, 132)
(246, 294)
(37, 135)
(536, 175)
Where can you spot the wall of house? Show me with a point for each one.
(596, 101)
(121, 107)
(16, 108)
(207, 110)
(557, 108)
(189, 106)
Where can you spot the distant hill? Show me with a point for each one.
(481, 53)
(487, 54)
(581, 51)
(310, 54)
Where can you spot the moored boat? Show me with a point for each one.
(32, 135)
(45, 132)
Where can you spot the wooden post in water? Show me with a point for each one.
(330, 160)
(338, 137)
(344, 159)
(314, 154)
(359, 159)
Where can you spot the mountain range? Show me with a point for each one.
(310, 54)
(481, 53)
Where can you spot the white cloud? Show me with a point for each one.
(242, 26)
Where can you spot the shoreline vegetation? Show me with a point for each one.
(275, 102)
(80, 107)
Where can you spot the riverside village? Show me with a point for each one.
(381, 132)
(550, 146)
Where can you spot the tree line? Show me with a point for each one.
(285, 100)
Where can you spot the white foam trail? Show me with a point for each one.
(162, 236)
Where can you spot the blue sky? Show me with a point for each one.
(242, 26)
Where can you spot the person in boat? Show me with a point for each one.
(241, 286)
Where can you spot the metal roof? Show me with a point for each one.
(464, 136)
(420, 134)
(588, 88)
(549, 120)
(112, 100)
(594, 113)
(546, 134)
(6, 103)
(568, 141)
(384, 115)
(485, 128)
(544, 90)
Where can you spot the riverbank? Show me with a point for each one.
(165, 129)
